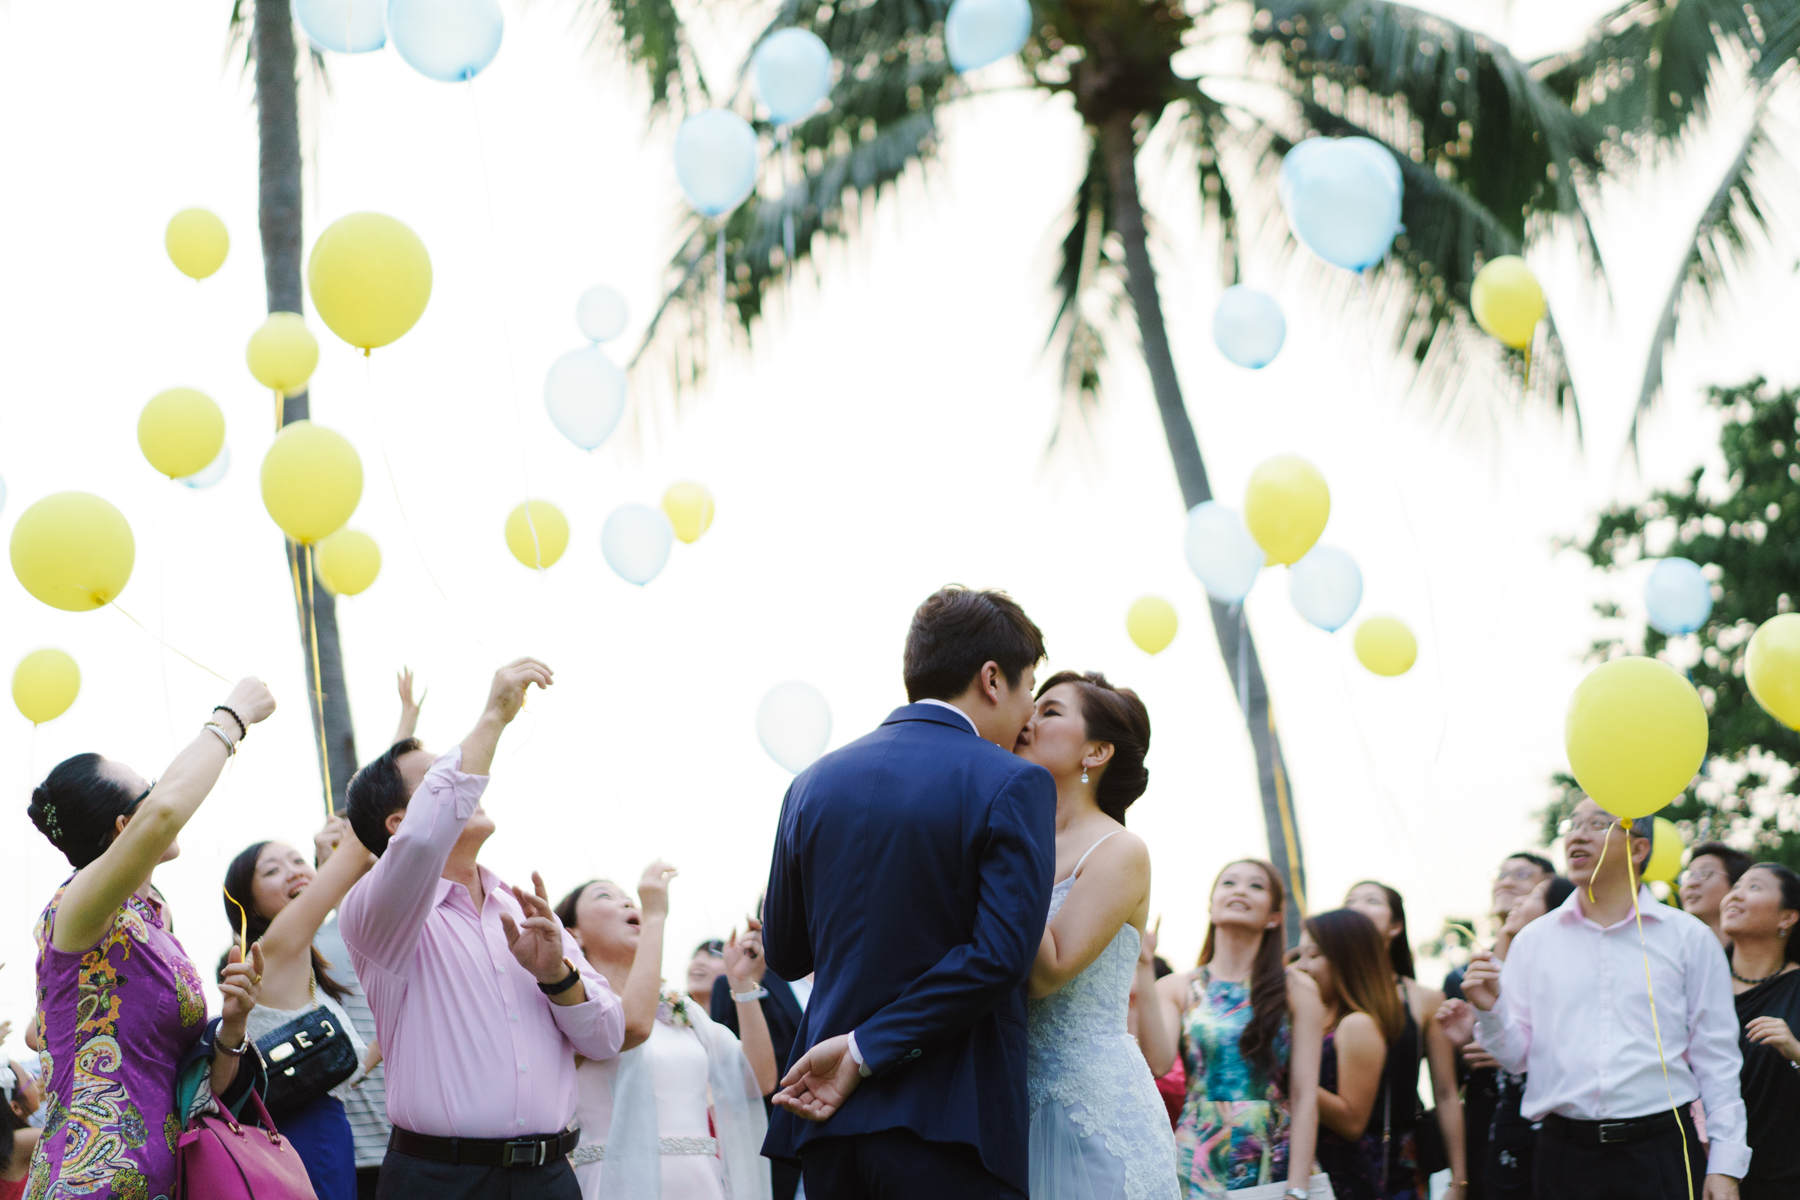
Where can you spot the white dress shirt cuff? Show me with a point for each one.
(1731, 1159)
(856, 1057)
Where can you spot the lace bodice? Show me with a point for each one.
(1081, 1055)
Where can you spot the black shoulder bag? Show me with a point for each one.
(306, 1057)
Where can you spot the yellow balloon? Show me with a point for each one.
(1635, 735)
(1286, 506)
(312, 481)
(348, 562)
(1151, 623)
(689, 508)
(1507, 300)
(45, 683)
(1772, 668)
(283, 353)
(1386, 646)
(370, 279)
(73, 551)
(180, 431)
(1665, 853)
(541, 540)
(197, 242)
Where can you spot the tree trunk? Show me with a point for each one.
(279, 218)
(1118, 144)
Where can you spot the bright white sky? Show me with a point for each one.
(886, 435)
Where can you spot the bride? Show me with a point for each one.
(1099, 1130)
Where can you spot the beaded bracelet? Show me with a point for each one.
(243, 729)
(219, 732)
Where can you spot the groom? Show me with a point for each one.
(912, 872)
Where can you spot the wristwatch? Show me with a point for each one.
(757, 992)
(1295, 1193)
(564, 984)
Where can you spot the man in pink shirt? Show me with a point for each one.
(481, 999)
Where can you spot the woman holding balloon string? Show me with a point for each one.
(1416, 1150)
(1759, 916)
(121, 1008)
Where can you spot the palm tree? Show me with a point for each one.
(268, 34)
(1488, 155)
(1646, 76)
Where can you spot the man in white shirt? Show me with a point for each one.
(1569, 1007)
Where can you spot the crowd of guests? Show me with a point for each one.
(417, 1026)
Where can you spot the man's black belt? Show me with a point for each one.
(1609, 1133)
(537, 1151)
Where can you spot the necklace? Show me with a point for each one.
(1754, 982)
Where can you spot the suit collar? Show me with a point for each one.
(937, 714)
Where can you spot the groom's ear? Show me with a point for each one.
(988, 681)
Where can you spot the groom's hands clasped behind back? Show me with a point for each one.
(817, 1086)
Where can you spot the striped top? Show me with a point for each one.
(366, 1104)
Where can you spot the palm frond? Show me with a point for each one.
(1648, 67)
(1736, 211)
(652, 38)
(1780, 46)
(1208, 126)
(1085, 271)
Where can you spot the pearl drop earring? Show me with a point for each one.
(1084, 773)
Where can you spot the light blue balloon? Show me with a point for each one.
(635, 541)
(793, 73)
(1221, 552)
(346, 26)
(585, 396)
(1248, 327)
(979, 32)
(2, 495)
(715, 160)
(1342, 197)
(211, 473)
(1326, 587)
(1678, 596)
(446, 40)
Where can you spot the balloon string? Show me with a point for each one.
(512, 373)
(162, 614)
(243, 925)
(312, 624)
(176, 649)
(1650, 990)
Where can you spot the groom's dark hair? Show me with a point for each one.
(956, 630)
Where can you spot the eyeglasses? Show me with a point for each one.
(1518, 875)
(1599, 823)
(712, 946)
(132, 807)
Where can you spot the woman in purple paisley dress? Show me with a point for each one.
(119, 1003)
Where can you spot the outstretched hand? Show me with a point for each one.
(1457, 1019)
(507, 694)
(817, 1086)
(1481, 982)
(537, 944)
(744, 962)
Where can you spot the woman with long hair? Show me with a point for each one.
(1248, 1032)
(121, 1010)
(1759, 916)
(680, 1109)
(1098, 1129)
(274, 898)
(1347, 960)
(1415, 1150)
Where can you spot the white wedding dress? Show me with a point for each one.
(1099, 1130)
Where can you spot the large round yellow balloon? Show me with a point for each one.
(73, 551)
(1386, 646)
(180, 431)
(45, 683)
(370, 278)
(1507, 300)
(1665, 853)
(348, 562)
(1286, 506)
(197, 242)
(1772, 668)
(312, 481)
(283, 353)
(1151, 622)
(1635, 735)
(689, 508)
(541, 540)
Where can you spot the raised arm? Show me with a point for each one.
(409, 708)
(1361, 1054)
(1307, 1017)
(1501, 995)
(1159, 1014)
(1446, 1094)
(744, 968)
(1112, 888)
(643, 987)
(96, 892)
(290, 934)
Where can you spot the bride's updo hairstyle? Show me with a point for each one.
(1116, 715)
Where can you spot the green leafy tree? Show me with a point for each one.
(1743, 526)
(1488, 153)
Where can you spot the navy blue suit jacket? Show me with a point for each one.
(912, 872)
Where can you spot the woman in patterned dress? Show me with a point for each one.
(1248, 1031)
(120, 1006)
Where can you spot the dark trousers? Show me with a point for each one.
(367, 1180)
(897, 1164)
(1647, 1169)
(404, 1177)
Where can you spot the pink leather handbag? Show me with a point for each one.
(220, 1159)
